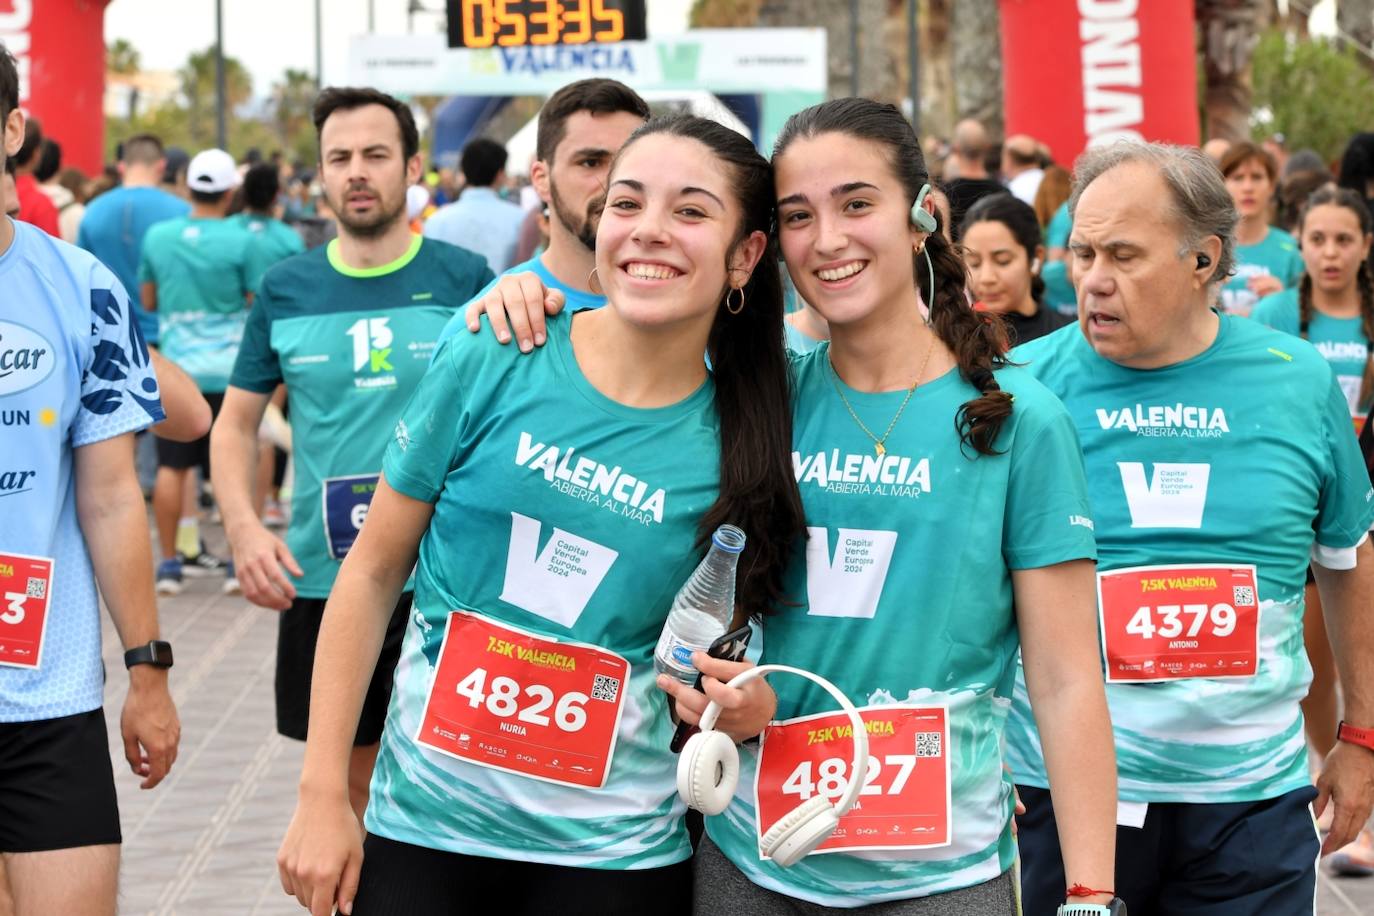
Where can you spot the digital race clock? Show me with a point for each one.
(516, 23)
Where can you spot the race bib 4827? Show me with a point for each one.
(905, 801)
(1162, 623)
(526, 704)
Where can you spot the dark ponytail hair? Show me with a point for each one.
(753, 391)
(1020, 220)
(1343, 197)
(978, 345)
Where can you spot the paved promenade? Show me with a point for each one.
(204, 842)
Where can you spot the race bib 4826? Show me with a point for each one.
(1162, 623)
(25, 592)
(526, 704)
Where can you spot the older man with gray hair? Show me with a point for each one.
(1221, 462)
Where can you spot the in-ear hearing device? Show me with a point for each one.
(1203, 261)
(1035, 266)
(708, 771)
(922, 218)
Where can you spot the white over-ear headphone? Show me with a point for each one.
(708, 770)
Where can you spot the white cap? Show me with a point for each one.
(212, 171)
(417, 198)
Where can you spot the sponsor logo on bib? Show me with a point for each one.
(26, 358)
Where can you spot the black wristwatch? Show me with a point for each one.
(1115, 907)
(156, 653)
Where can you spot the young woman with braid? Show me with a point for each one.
(948, 524)
(938, 544)
(1333, 307)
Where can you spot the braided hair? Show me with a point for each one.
(978, 344)
(1331, 195)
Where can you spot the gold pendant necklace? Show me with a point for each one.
(879, 447)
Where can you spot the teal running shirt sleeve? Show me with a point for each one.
(1047, 514)
(421, 454)
(1343, 509)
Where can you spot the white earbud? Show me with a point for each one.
(708, 771)
(1035, 266)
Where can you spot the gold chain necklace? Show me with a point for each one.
(878, 445)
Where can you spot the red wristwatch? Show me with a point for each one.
(1364, 737)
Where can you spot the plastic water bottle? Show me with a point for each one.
(703, 608)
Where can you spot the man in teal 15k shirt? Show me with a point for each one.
(193, 275)
(1220, 464)
(350, 328)
(581, 127)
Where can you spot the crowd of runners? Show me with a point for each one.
(1082, 576)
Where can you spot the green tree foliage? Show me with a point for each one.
(283, 122)
(1316, 94)
(122, 57)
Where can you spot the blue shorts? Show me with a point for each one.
(1189, 859)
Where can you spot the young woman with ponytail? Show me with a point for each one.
(556, 503)
(948, 525)
(1333, 307)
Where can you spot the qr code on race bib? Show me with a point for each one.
(928, 744)
(605, 688)
(1244, 595)
(37, 588)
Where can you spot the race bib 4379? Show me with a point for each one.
(1164, 623)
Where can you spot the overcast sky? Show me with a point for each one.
(269, 36)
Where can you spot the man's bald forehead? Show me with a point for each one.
(970, 137)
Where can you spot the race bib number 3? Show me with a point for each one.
(513, 701)
(25, 592)
(346, 500)
(905, 801)
(1162, 623)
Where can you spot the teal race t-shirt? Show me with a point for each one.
(560, 513)
(202, 287)
(1059, 291)
(270, 241)
(905, 597)
(1241, 456)
(1276, 255)
(1340, 341)
(576, 299)
(351, 346)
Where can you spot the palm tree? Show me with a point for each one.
(122, 57)
(198, 88)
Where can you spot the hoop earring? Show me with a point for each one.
(595, 287)
(735, 309)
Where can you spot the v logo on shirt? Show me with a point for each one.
(1175, 498)
(850, 584)
(557, 582)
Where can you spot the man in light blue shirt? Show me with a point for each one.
(75, 382)
(480, 220)
(114, 224)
